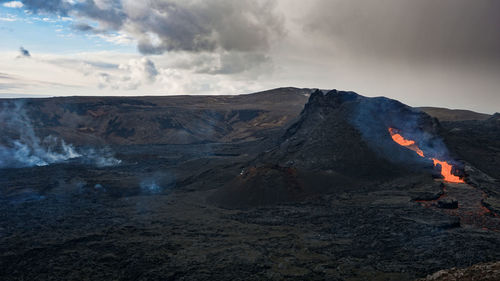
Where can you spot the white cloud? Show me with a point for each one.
(13, 4)
(119, 38)
(49, 20)
(109, 73)
(131, 75)
(9, 18)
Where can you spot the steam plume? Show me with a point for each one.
(21, 147)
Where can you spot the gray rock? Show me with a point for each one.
(447, 203)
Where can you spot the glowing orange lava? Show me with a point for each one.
(446, 171)
(410, 144)
(404, 142)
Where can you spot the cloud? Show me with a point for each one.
(172, 25)
(31, 75)
(8, 82)
(5, 76)
(84, 27)
(13, 4)
(134, 73)
(234, 35)
(246, 26)
(225, 63)
(8, 86)
(119, 38)
(407, 29)
(23, 53)
(426, 52)
(9, 18)
(49, 6)
(85, 66)
(141, 69)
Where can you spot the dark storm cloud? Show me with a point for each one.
(221, 63)
(236, 63)
(207, 25)
(423, 29)
(24, 53)
(166, 25)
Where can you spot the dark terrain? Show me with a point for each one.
(288, 184)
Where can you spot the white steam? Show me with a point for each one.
(100, 157)
(150, 186)
(21, 147)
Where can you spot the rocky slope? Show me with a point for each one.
(478, 272)
(340, 140)
(161, 120)
(445, 114)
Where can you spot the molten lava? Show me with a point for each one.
(446, 171)
(404, 142)
(410, 144)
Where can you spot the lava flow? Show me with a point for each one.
(410, 144)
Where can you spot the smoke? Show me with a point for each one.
(100, 157)
(26, 149)
(373, 116)
(150, 186)
(157, 182)
(21, 147)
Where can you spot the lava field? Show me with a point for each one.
(287, 184)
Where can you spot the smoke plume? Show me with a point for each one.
(21, 147)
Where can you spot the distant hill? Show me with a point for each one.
(156, 119)
(445, 114)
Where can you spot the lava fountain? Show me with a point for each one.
(446, 168)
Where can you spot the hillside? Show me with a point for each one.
(162, 120)
(445, 114)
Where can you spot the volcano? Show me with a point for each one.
(343, 139)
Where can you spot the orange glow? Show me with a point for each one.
(410, 144)
(399, 139)
(446, 171)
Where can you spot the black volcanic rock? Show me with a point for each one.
(147, 219)
(448, 203)
(475, 141)
(348, 133)
(340, 140)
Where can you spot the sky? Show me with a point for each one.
(442, 53)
